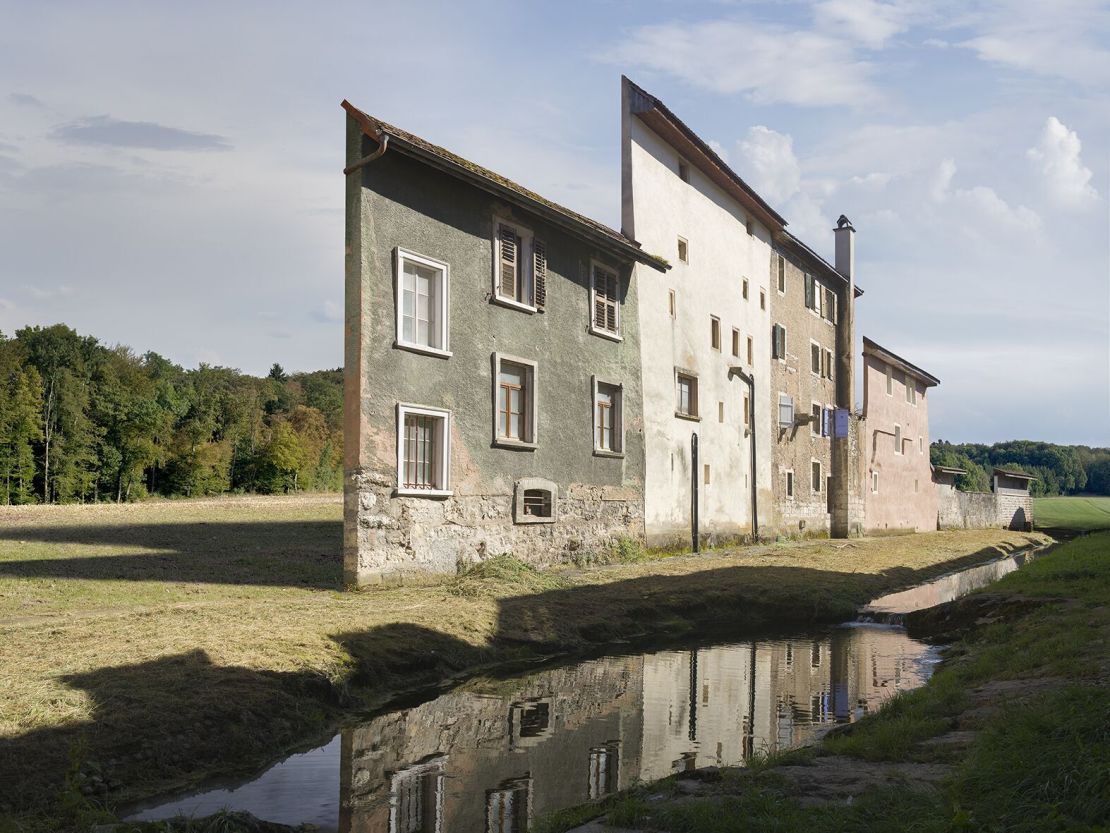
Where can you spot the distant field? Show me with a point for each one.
(1082, 513)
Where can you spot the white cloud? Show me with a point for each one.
(1067, 179)
(329, 312)
(773, 168)
(942, 181)
(765, 62)
(718, 149)
(868, 21)
(40, 293)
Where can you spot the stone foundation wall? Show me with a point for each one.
(390, 539)
(1015, 509)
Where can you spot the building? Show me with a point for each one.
(492, 350)
(705, 324)
(811, 377)
(1012, 498)
(894, 442)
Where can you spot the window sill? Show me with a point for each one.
(511, 304)
(601, 452)
(420, 348)
(605, 334)
(516, 445)
(533, 519)
(432, 493)
(689, 417)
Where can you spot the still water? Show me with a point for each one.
(492, 755)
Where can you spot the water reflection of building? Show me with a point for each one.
(496, 755)
(719, 706)
(491, 758)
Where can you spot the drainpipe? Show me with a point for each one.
(749, 380)
(366, 160)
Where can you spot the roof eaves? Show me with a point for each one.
(790, 239)
(488, 180)
(870, 346)
(646, 102)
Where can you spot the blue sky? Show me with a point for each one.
(170, 174)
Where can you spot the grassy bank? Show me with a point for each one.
(1013, 733)
(1083, 514)
(145, 647)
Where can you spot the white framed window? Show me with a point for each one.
(827, 367)
(715, 332)
(790, 484)
(608, 418)
(829, 307)
(815, 476)
(423, 451)
(605, 305)
(416, 798)
(815, 359)
(780, 273)
(686, 395)
(815, 426)
(519, 267)
(683, 250)
(423, 303)
(509, 807)
(897, 439)
(514, 402)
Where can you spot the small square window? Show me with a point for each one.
(735, 343)
(715, 332)
(535, 501)
(683, 171)
(422, 303)
(683, 250)
(687, 395)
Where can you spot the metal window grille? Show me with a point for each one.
(421, 452)
(537, 502)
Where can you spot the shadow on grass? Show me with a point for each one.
(159, 724)
(268, 553)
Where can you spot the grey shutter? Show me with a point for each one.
(599, 299)
(830, 305)
(611, 307)
(509, 259)
(539, 272)
(810, 293)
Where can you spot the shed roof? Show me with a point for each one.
(438, 157)
(949, 470)
(871, 348)
(1017, 475)
(656, 115)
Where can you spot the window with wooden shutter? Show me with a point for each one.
(815, 358)
(606, 304)
(781, 264)
(830, 305)
(539, 272)
(778, 342)
(810, 292)
(508, 280)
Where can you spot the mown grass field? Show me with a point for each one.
(1018, 718)
(1082, 514)
(153, 645)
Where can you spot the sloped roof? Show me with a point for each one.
(874, 349)
(656, 115)
(436, 156)
(788, 241)
(1019, 475)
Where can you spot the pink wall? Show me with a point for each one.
(897, 504)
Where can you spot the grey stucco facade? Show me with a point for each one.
(401, 201)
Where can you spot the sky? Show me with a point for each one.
(171, 173)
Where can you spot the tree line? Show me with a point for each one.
(84, 422)
(1059, 469)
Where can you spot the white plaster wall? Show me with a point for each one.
(663, 208)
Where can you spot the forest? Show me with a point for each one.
(84, 422)
(1059, 469)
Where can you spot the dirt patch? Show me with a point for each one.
(836, 779)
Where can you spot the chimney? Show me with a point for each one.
(846, 488)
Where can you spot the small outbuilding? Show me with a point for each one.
(1012, 497)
